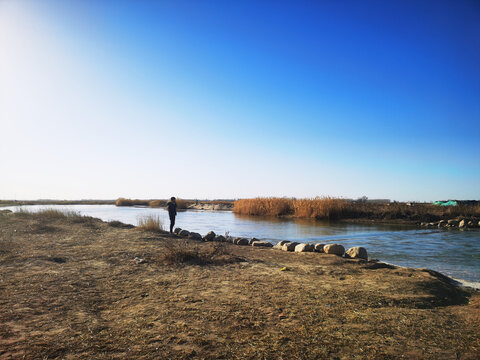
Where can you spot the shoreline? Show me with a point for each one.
(463, 282)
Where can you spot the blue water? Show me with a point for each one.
(452, 252)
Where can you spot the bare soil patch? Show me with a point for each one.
(70, 288)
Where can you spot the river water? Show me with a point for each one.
(452, 252)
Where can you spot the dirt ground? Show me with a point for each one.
(70, 288)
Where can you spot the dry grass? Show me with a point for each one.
(150, 223)
(270, 206)
(77, 293)
(157, 203)
(50, 213)
(183, 252)
(131, 202)
(331, 208)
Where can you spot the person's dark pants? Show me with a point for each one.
(172, 222)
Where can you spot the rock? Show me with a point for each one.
(259, 243)
(453, 222)
(442, 223)
(195, 236)
(210, 236)
(289, 246)
(280, 244)
(177, 230)
(242, 241)
(471, 224)
(184, 233)
(220, 238)
(319, 248)
(252, 240)
(462, 224)
(334, 249)
(304, 248)
(357, 253)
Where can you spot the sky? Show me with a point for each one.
(225, 100)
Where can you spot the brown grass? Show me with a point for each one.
(150, 223)
(77, 293)
(183, 252)
(131, 202)
(332, 208)
(157, 203)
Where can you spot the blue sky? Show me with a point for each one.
(207, 99)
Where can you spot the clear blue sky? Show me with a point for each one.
(220, 99)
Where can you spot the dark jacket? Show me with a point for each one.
(172, 208)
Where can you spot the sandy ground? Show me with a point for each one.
(70, 288)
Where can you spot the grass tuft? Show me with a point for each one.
(150, 223)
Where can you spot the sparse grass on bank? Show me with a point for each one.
(331, 208)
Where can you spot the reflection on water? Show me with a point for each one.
(455, 253)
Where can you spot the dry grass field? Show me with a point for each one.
(74, 287)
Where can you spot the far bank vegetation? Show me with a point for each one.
(335, 209)
(181, 203)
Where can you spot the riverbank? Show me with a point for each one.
(77, 287)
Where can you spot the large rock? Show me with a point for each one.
(357, 252)
(453, 222)
(259, 243)
(462, 224)
(280, 244)
(220, 238)
(335, 249)
(290, 246)
(210, 236)
(304, 248)
(177, 230)
(184, 233)
(242, 241)
(319, 248)
(195, 236)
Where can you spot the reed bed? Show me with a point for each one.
(270, 206)
(334, 209)
(157, 203)
(131, 202)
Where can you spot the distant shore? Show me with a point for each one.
(396, 213)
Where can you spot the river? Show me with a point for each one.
(452, 252)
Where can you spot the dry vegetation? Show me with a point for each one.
(150, 223)
(181, 203)
(330, 208)
(71, 289)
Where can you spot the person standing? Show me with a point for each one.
(172, 211)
